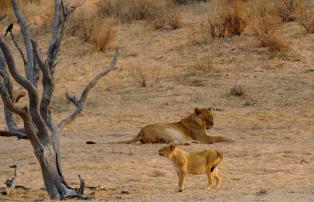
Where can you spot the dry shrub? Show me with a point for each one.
(130, 10)
(237, 91)
(286, 9)
(264, 25)
(102, 37)
(230, 19)
(145, 76)
(161, 13)
(170, 17)
(200, 35)
(93, 29)
(189, 1)
(305, 16)
(204, 65)
(6, 8)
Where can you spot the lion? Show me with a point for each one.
(195, 163)
(191, 129)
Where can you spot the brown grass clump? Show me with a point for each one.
(189, 1)
(286, 9)
(161, 13)
(305, 16)
(145, 76)
(93, 29)
(200, 35)
(6, 8)
(230, 19)
(264, 25)
(237, 91)
(130, 10)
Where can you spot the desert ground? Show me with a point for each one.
(272, 123)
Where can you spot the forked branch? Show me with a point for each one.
(79, 104)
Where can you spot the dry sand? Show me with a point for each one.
(272, 125)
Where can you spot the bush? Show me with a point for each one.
(131, 9)
(264, 26)
(230, 19)
(286, 9)
(93, 29)
(200, 35)
(305, 17)
(189, 1)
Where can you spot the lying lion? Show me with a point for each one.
(205, 162)
(189, 129)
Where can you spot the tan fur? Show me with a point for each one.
(189, 129)
(196, 163)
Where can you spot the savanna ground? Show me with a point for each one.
(272, 123)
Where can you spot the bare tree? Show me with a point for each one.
(38, 126)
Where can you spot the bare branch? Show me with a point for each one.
(16, 134)
(30, 67)
(48, 86)
(18, 48)
(61, 18)
(80, 103)
(32, 93)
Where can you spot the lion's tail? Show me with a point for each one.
(221, 139)
(134, 140)
(217, 161)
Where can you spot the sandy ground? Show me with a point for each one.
(272, 124)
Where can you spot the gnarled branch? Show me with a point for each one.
(30, 66)
(18, 48)
(79, 104)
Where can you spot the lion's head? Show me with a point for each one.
(204, 117)
(167, 151)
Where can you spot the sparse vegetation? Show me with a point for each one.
(286, 9)
(264, 26)
(92, 29)
(237, 91)
(305, 16)
(145, 76)
(200, 35)
(188, 1)
(230, 19)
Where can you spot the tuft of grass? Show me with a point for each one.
(305, 16)
(230, 19)
(145, 76)
(188, 1)
(286, 9)
(237, 91)
(93, 29)
(200, 35)
(264, 25)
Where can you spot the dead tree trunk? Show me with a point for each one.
(39, 127)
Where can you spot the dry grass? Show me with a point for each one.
(230, 19)
(160, 13)
(305, 16)
(204, 65)
(6, 8)
(145, 76)
(237, 91)
(264, 25)
(189, 1)
(200, 35)
(286, 9)
(130, 10)
(93, 29)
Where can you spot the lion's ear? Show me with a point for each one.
(210, 109)
(197, 111)
(172, 147)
